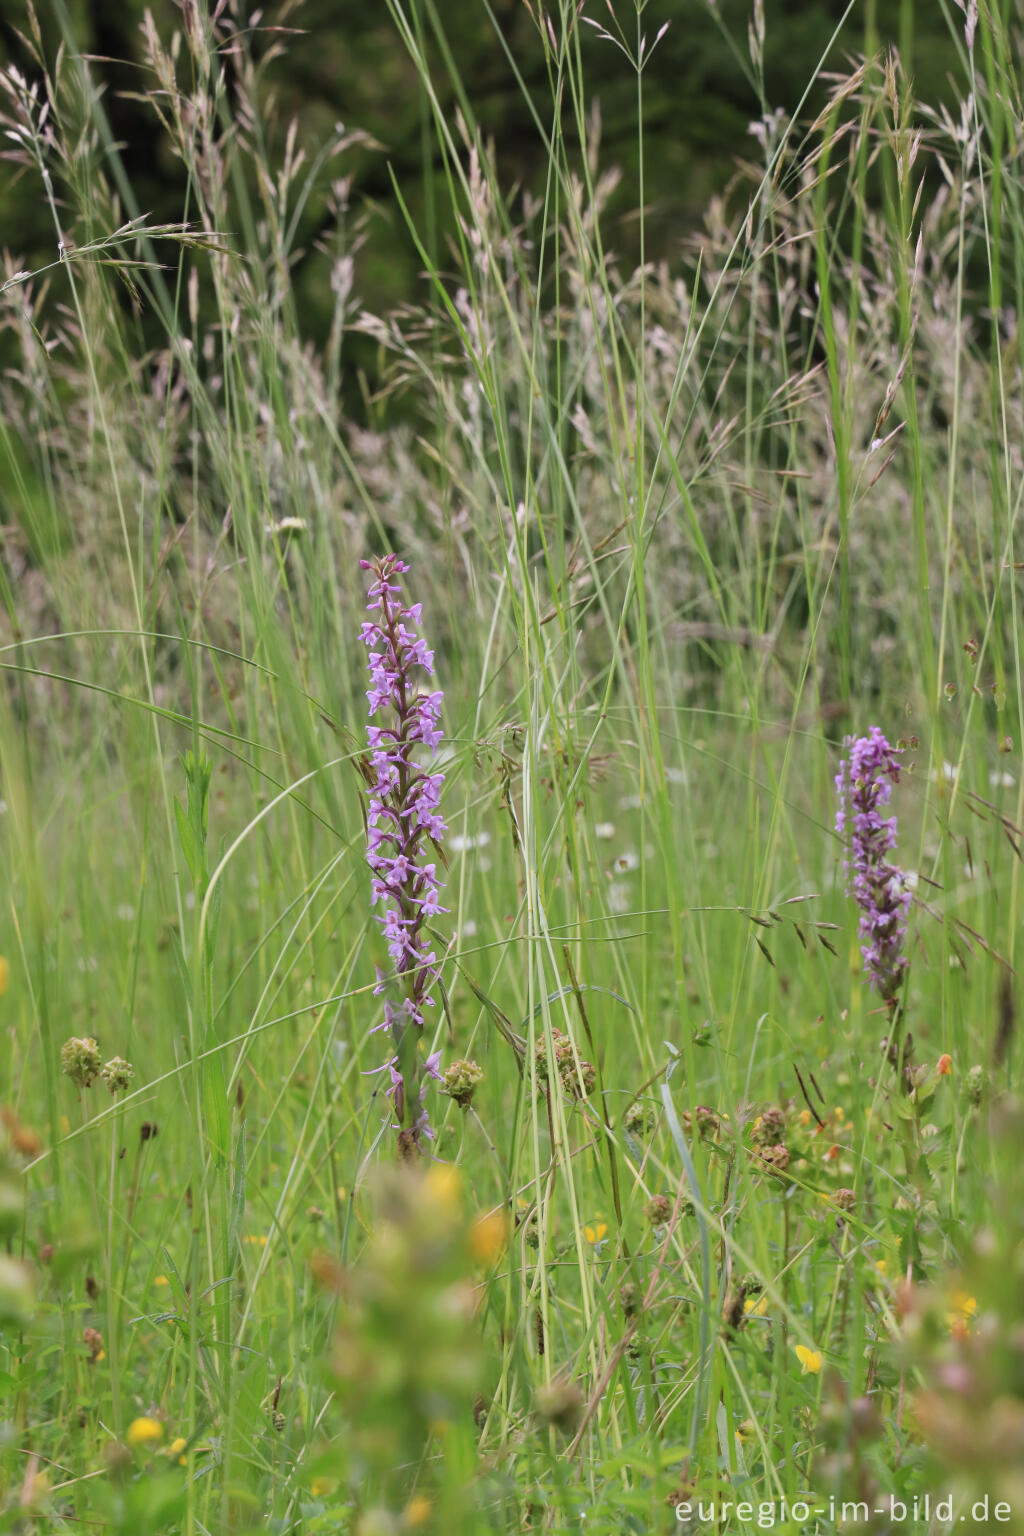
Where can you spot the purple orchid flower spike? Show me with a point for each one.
(864, 783)
(403, 815)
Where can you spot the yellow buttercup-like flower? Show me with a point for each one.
(755, 1306)
(596, 1232)
(810, 1359)
(144, 1431)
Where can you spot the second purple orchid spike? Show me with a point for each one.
(864, 782)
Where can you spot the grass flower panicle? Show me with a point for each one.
(117, 1074)
(403, 817)
(461, 1081)
(80, 1060)
(864, 783)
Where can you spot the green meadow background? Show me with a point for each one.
(677, 351)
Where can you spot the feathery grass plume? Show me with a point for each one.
(864, 783)
(404, 813)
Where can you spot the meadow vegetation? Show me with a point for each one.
(705, 1218)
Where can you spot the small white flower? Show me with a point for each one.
(287, 525)
(604, 829)
(1000, 779)
(461, 844)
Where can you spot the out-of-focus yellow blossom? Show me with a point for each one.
(417, 1511)
(488, 1236)
(144, 1431)
(444, 1184)
(963, 1310)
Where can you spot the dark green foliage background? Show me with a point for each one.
(347, 63)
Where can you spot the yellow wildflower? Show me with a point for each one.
(5, 975)
(143, 1431)
(755, 1306)
(488, 1236)
(597, 1232)
(176, 1448)
(417, 1511)
(321, 1486)
(160, 1280)
(810, 1359)
(444, 1184)
(964, 1308)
